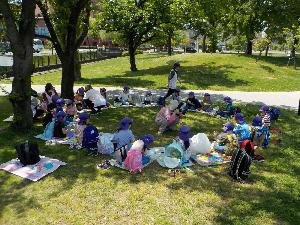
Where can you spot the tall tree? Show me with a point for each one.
(246, 17)
(68, 23)
(136, 22)
(19, 29)
(205, 20)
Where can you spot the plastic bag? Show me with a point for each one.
(200, 143)
(105, 146)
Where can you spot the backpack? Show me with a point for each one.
(28, 153)
(90, 137)
(248, 146)
(121, 154)
(240, 165)
(133, 161)
(274, 114)
(105, 145)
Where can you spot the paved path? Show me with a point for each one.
(289, 100)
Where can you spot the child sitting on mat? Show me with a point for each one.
(206, 103)
(226, 141)
(78, 98)
(226, 111)
(60, 103)
(79, 127)
(148, 98)
(192, 103)
(59, 125)
(125, 97)
(104, 94)
(124, 135)
(71, 109)
(51, 111)
(168, 116)
(242, 129)
(176, 95)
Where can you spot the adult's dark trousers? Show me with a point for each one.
(170, 92)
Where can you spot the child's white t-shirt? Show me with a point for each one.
(124, 97)
(95, 96)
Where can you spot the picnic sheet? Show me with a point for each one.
(211, 159)
(32, 172)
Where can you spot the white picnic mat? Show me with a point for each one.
(32, 172)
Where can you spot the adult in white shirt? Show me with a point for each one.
(172, 80)
(93, 99)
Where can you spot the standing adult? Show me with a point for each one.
(172, 80)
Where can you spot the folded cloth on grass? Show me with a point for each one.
(211, 159)
(32, 172)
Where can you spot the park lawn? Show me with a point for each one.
(78, 193)
(199, 71)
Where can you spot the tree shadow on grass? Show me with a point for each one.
(202, 76)
(275, 60)
(271, 190)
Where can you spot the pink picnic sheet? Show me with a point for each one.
(32, 172)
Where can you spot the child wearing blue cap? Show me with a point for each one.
(71, 109)
(59, 125)
(206, 103)
(78, 98)
(176, 95)
(125, 97)
(124, 135)
(228, 110)
(148, 98)
(242, 129)
(266, 124)
(226, 141)
(192, 103)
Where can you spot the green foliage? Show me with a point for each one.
(137, 52)
(261, 44)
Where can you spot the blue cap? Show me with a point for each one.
(184, 133)
(257, 121)
(147, 139)
(228, 127)
(125, 123)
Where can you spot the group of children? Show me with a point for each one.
(61, 119)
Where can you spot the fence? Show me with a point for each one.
(49, 62)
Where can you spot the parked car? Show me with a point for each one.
(190, 50)
(37, 45)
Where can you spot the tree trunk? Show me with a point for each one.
(169, 43)
(249, 48)
(68, 75)
(267, 49)
(204, 44)
(20, 97)
(77, 69)
(132, 49)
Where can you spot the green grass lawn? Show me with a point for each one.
(199, 71)
(78, 193)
